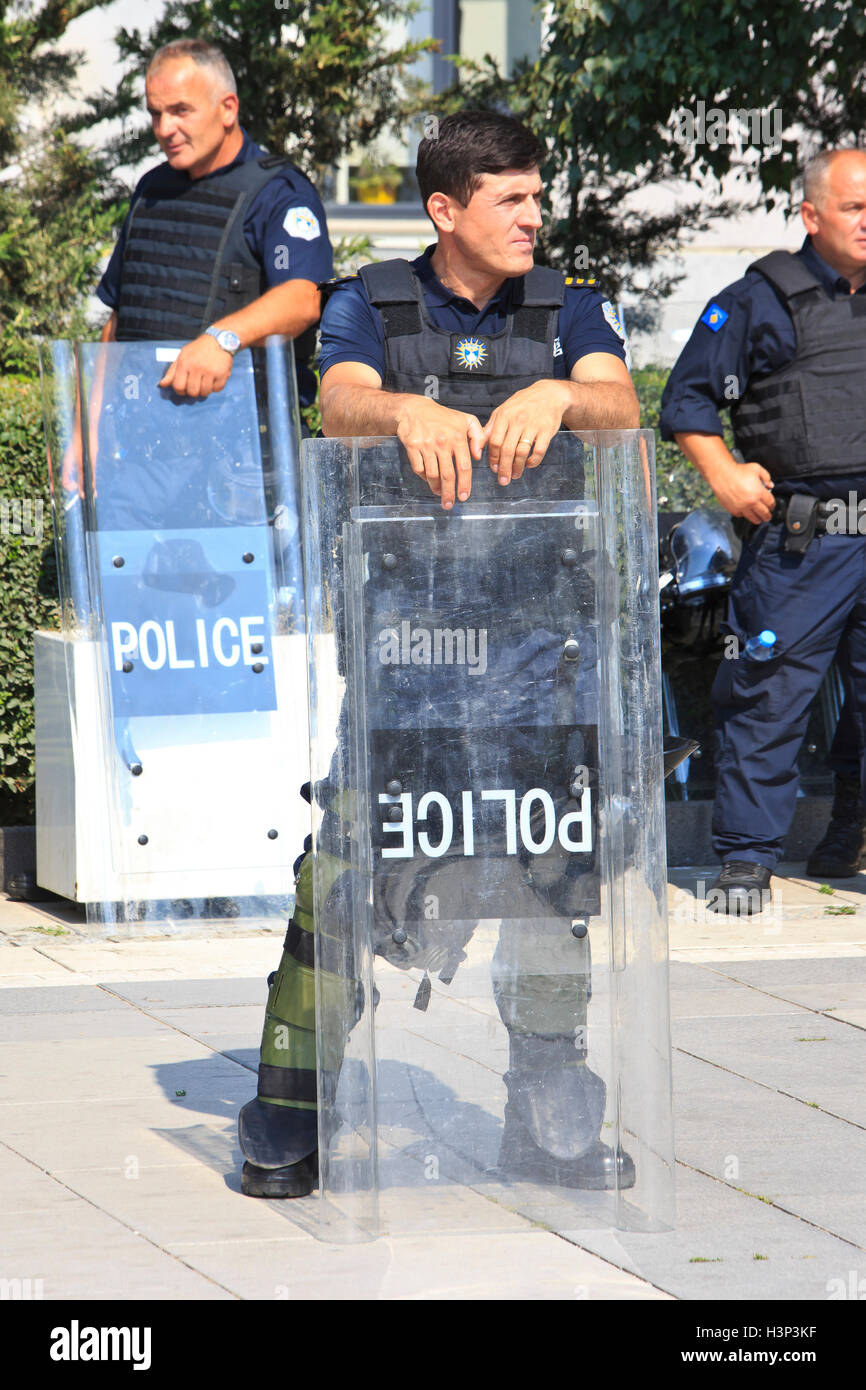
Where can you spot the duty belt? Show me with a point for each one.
(803, 518)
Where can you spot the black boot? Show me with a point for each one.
(598, 1169)
(840, 854)
(292, 1180)
(554, 1115)
(271, 1134)
(742, 889)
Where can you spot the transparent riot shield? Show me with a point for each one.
(181, 583)
(491, 936)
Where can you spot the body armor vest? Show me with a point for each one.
(470, 372)
(186, 261)
(809, 417)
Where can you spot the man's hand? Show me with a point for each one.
(746, 490)
(519, 431)
(440, 445)
(200, 368)
(743, 489)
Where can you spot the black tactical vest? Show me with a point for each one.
(186, 262)
(465, 371)
(809, 417)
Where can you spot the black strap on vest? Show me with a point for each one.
(787, 274)
(395, 292)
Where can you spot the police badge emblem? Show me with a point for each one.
(469, 354)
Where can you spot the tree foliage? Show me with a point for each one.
(58, 201)
(314, 80)
(608, 94)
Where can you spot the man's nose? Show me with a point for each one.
(163, 125)
(530, 214)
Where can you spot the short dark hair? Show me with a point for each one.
(469, 145)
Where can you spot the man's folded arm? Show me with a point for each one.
(602, 395)
(354, 404)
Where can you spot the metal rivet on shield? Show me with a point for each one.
(399, 936)
(272, 834)
(127, 667)
(142, 839)
(258, 666)
(579, 929)
(136, 769)
(389, 561)
(569, 557)
(395, 813)
(257, 647)
(571, 650)
(394, 788)
(248, 557)
(118, 562)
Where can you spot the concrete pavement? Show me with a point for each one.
(124, 1064)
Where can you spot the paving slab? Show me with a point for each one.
(527, 1266)
(811, 1058)
(78, 1251)
(156, 996)
(713, 1253)
(97, 1037)
(771, 1146)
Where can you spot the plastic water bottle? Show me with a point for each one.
(762, 646)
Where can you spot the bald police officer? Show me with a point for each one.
(786, 347)
(223, 244)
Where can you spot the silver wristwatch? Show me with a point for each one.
(226, 339)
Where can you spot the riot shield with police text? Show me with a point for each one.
(491, 938)
(181, 584)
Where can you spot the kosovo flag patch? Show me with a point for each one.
(714, 317)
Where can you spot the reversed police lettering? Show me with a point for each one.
(573, 830)
(160, 644)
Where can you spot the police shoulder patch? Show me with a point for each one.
(613, 319)
(714, 317)
(303, 223)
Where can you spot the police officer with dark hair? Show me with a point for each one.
(223, 245)
(469, 345)
(786, 347)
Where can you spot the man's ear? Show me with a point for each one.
(440, 210)
(229, 106)
(809, 214)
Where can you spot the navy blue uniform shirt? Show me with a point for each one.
(285, 216)
(352, 328)
(755, 339)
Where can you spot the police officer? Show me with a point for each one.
(223, 244)
(469, 345)
(785, 347)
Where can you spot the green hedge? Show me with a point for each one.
(680, 487)
(28, 592)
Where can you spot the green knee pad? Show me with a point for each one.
(287, 1066)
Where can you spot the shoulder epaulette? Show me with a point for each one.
(579, 280)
